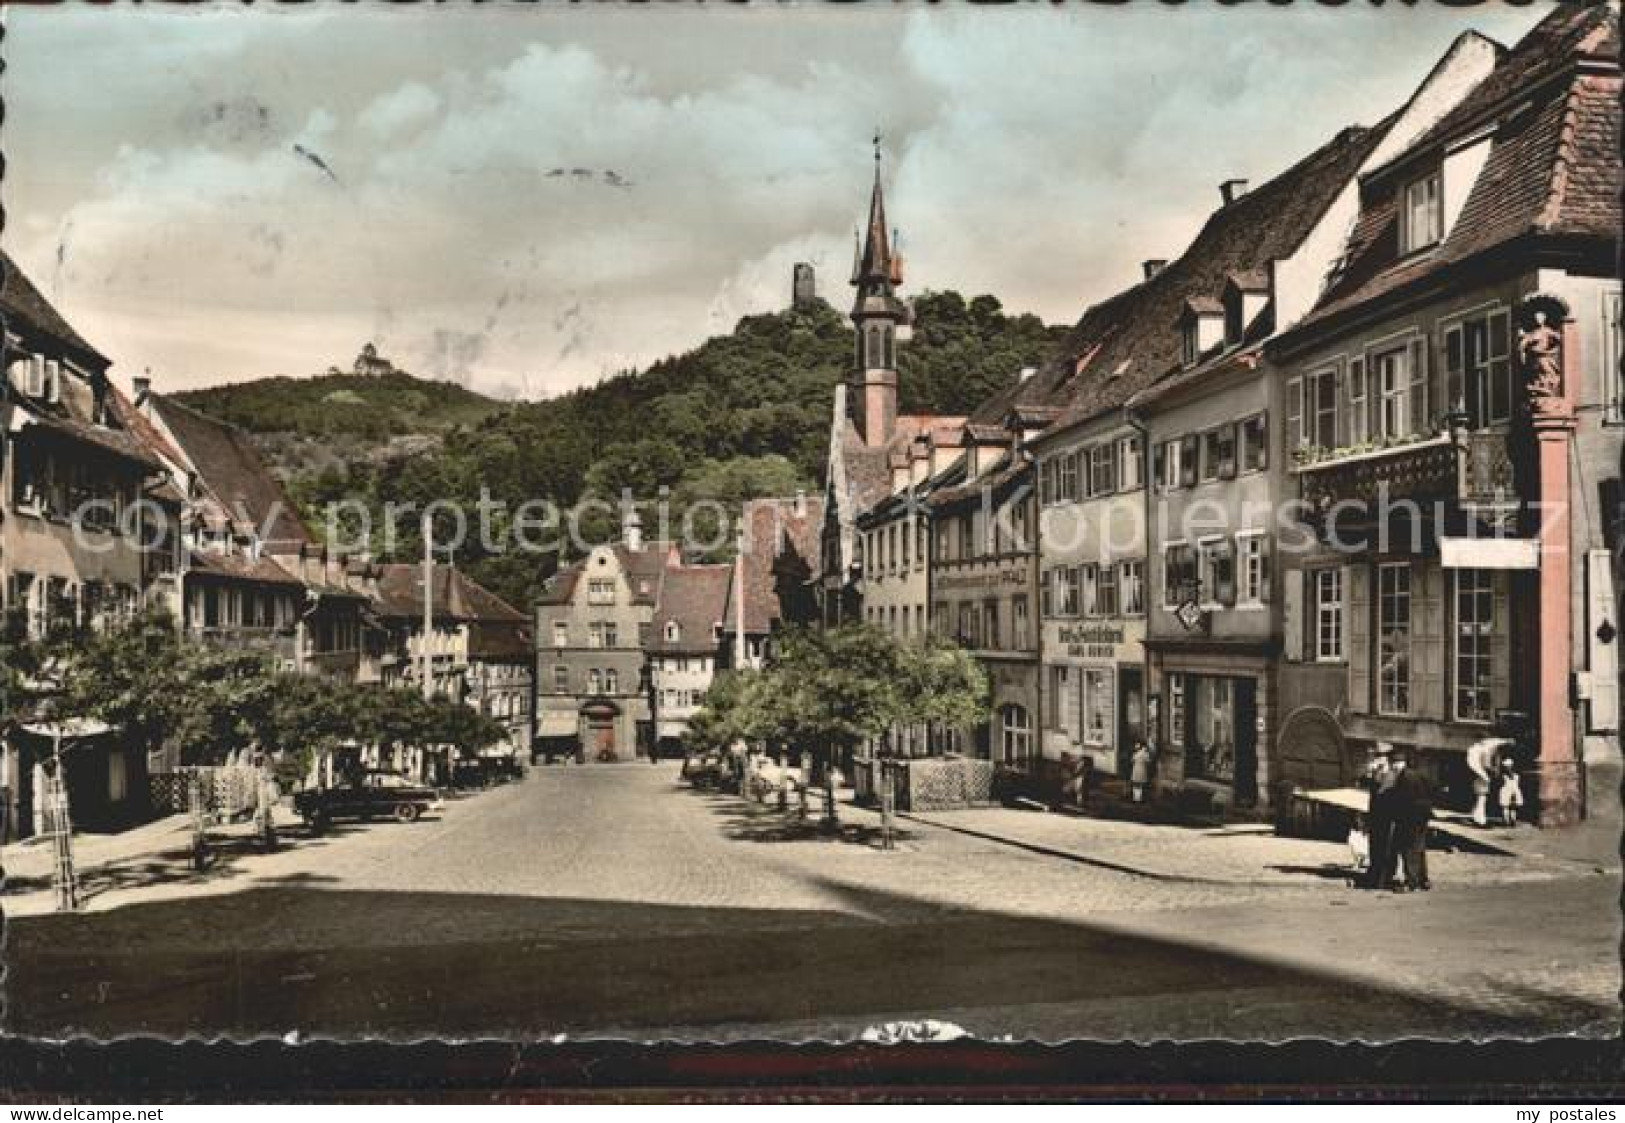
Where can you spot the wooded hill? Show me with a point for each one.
(742, 415)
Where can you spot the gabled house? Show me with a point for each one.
(772, 586)
(81, 542)
(1461, 366)
(479, 648)
(594, 624)
(254, 573)
(685, 648)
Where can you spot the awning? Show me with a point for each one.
(1489, 553)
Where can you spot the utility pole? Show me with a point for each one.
(428, 605)
(64, 879)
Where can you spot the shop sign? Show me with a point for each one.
(1091, 641)
(1008, 578)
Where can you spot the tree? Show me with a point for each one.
(944, 685)
(835, 690)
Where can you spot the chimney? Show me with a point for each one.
(1232, 189)
(1153, 266)
(141, 385)
(632, 530)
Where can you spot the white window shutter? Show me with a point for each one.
(1357, 586)
(1604, 657)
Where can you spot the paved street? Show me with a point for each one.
(612, 900)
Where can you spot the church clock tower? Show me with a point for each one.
(877, 313)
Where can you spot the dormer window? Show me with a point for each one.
(673, 631)
(1421, 218)
(1201, 327)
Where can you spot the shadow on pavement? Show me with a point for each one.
(348, 964)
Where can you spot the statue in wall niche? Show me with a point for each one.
(1540, 350)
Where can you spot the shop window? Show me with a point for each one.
(1016, 736)
(1210, 753)
(1475, 632)
(1063, 703)
(1097, 707)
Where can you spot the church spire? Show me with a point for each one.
(876, 261)
(877, 314)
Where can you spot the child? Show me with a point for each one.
(1511, 792)
(1140, 771)
(1359, 848)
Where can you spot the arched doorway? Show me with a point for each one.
(1313, 754)
(600, 722)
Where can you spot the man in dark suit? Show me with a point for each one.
(1379, 817)
(1412, 810)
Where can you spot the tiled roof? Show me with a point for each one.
(1553, 169)
(136, 422)
(644, 569)
(1572, 32)
(230, 468)
(116, 441)
(457, 596)
(23, 303)
(1123, 344)
(695, 598)
(240, 568)
(781, 541)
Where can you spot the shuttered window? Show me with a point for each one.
(1294, 437)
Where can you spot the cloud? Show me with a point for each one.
(400, 110)
(533, 204)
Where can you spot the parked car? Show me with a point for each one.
(371, 795)
(706, 769)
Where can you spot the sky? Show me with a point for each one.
(527, 199)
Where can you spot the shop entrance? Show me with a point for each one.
(1130, 715)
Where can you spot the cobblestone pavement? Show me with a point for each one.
(1254, 854)
(590, 900)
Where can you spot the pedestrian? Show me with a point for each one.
(1379, 817)
(1140, 770)
(1481, 762)
(1413, 810)
(1511, 793)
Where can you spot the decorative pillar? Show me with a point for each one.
(1549, 355)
